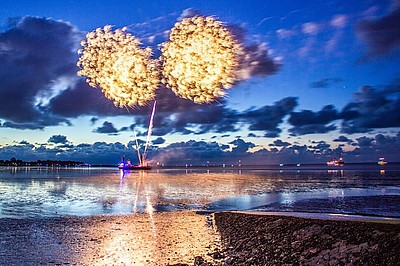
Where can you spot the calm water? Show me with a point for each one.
(49, 192)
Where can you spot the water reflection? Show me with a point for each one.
(58, 192)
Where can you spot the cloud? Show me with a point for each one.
(82, 99)
(189, 152)
(371, 109)
(58, 139)
(339, 21)
(280, 143)
(107, 128)
(37, 57)
(309, 122)
(321, 147)
(367, 149)
(310, 28)
(383, 34)
(241, 146)
(189, 12)
(311, 129)
(268, 118)
(285, 33)
(371, 148)
(395, 5)
(326, 82)
(158, 141)
(93, 120)
(256, 62)
(343, 139)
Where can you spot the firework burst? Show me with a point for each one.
(114, 62)
(200, 60)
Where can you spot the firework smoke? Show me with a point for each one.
(200, 60)
(115, 62)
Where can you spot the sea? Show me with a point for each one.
(365, 190)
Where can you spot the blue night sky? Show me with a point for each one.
(322, 80)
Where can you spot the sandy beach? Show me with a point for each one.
(187, 238)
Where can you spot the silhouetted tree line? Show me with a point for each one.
(17, 162)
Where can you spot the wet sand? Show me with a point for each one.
(187, 238)
(137, 239)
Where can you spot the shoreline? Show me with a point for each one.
(190, 238)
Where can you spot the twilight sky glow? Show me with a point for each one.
(320, 79)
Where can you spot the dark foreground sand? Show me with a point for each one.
(279, 240)
(187, 238)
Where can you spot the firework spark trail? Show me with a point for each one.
(150, 130)
(137, 148)
(200, 60)
(115, 62)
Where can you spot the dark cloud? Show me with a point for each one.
(82, 99)
(268, 118)
(93, 120)
(342, 139)
(256, 62)
(371, 109)
(364, 142)
(280, 143)
(382, 34)
(22, 125)
(36, 54)
(371, 148)
(58, 139)
(309, 122)
(321, 147)
(241, 146)
(325, 83)
(367, 149)
(158, 141)
(107, 128)
(190, 152)
(311, 129)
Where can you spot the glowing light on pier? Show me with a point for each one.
(200, 60)
(114, 62)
